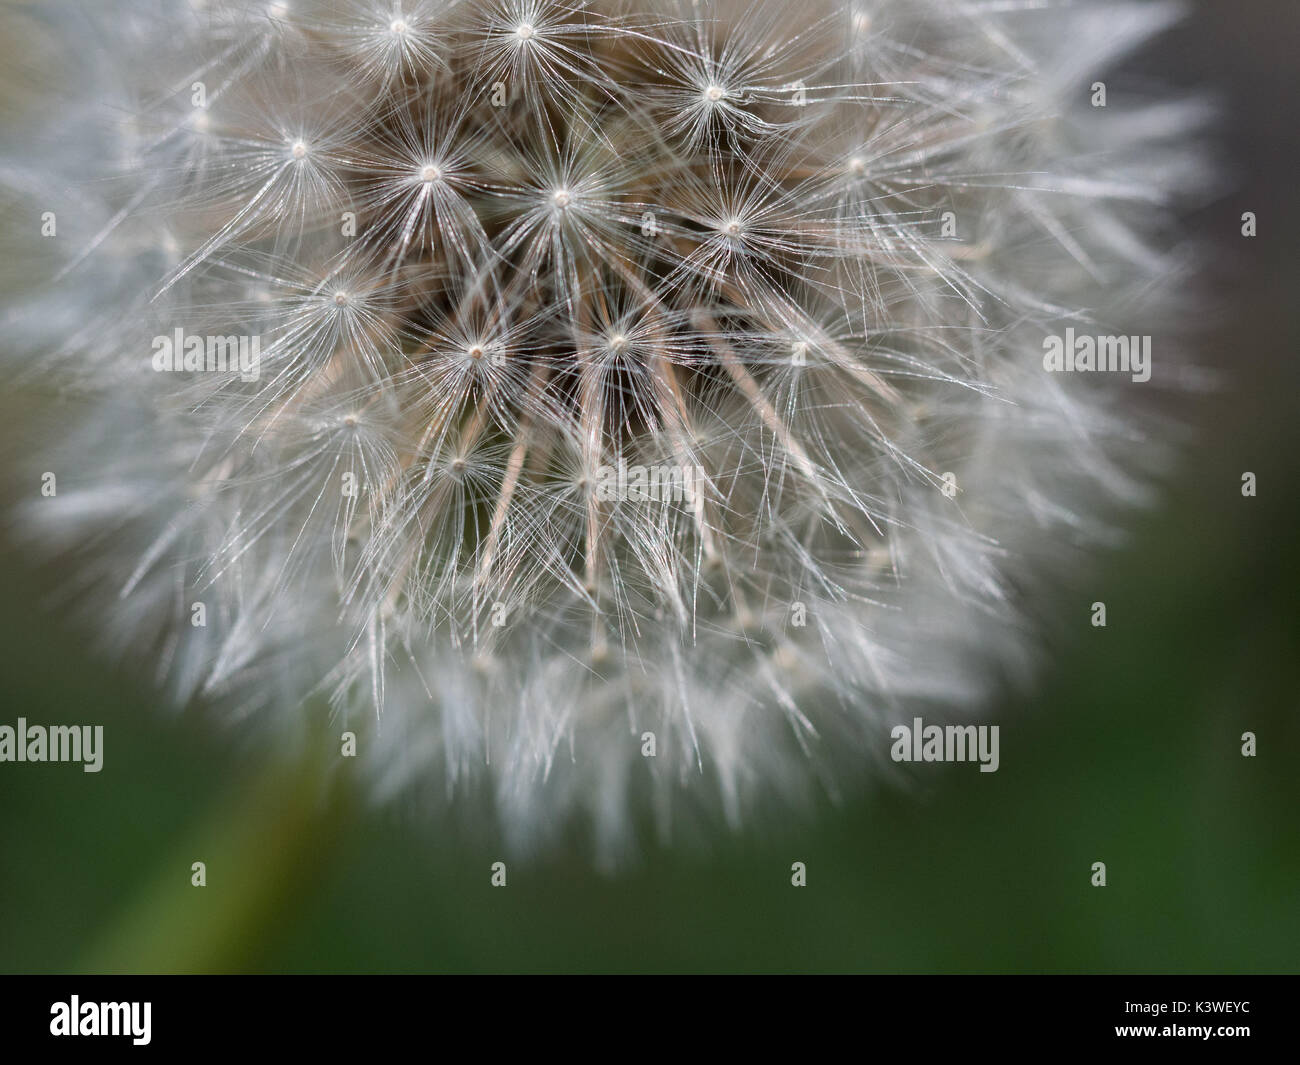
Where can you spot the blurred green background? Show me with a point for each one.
(1128, 753)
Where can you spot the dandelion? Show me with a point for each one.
(804, 256)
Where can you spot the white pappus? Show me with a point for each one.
(804, 254)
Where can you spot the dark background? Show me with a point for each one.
(1128, 753)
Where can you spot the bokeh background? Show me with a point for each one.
(1128, 752)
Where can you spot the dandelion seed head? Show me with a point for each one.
(622, 367)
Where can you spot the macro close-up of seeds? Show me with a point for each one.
(620, 415)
